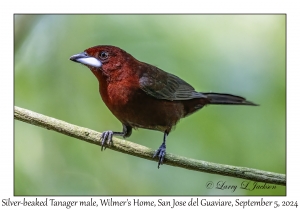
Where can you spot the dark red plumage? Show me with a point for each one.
(143, 96)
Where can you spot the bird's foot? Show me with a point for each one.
(106, 138)
(161, 152)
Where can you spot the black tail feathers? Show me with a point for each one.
(222, 98)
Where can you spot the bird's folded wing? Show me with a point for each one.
(163, 85)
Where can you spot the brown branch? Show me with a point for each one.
(131, 148)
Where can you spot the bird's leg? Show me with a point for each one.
(161, 152)
(106, 136)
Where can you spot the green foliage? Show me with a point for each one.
(237, 54)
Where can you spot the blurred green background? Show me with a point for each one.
(237, 54)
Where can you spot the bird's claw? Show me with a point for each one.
(161, 153)
(106, 137)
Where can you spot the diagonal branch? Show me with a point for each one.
(131, 148)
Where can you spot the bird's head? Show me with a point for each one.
(103, 58)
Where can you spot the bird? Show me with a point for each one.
(141, 95)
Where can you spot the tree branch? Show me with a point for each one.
(131, 148)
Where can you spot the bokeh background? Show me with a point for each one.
(238, 54)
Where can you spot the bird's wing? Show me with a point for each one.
(163, 85)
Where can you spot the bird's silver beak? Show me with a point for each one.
(85, 59)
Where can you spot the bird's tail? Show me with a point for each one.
(222, 98)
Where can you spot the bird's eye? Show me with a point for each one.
(103, 55)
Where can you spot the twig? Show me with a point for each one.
(145, 152)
